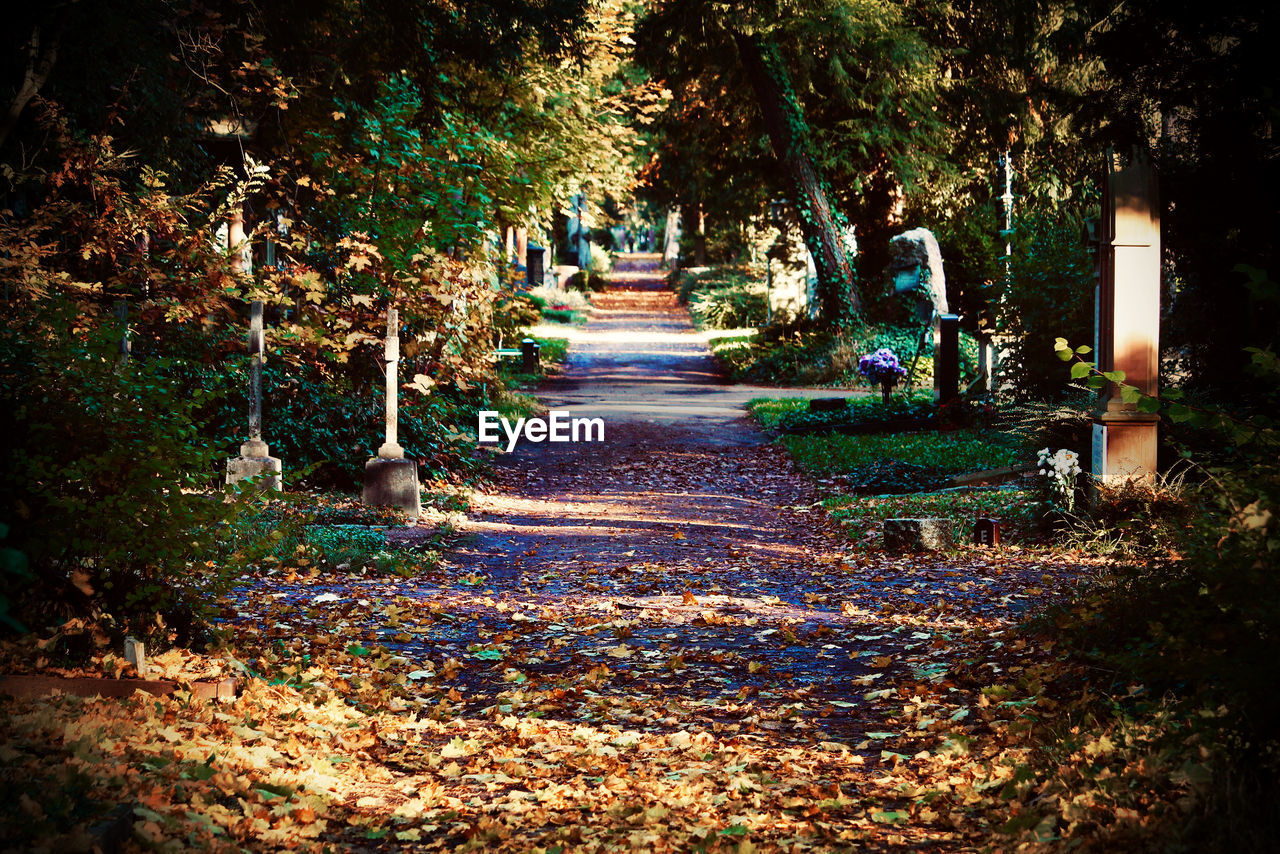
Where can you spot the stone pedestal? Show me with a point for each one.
(393, 483)
(1124, 448)
(917, 534)
(255, 462)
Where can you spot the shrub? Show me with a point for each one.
(1049, 294)
(556, 299)
(107, 483)
(728, 308)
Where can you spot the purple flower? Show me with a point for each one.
(881, 367)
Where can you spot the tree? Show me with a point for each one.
(843, 92)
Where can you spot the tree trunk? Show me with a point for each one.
(40, 59)
(838, 297)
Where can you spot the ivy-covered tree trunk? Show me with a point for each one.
(838, 299)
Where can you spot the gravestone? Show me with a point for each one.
(946, 366)
(562, 273)
(255, 460)
(916, 264)
(827, 404)
(1127, 321)
(986, 532)
(917, 534)
(390, 479)
(916, 267)
(536, 264)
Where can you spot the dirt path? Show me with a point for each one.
(661, 642)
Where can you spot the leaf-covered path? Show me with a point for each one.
(661, 641)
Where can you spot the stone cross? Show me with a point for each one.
(391, 449)
(255, 459)
(390, 479)
(1127, 321)
(257, 347)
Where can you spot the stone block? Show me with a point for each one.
(827, 404)
(917, 534)
(393, 483)
(267, 469)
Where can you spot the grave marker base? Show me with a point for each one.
(392, 483)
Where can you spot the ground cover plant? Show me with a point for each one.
(953, 451)
(792, 414)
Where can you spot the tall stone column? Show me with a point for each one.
(255, 460)
(1127, 322)
(390, 479)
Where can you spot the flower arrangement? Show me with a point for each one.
(1060, 469)
(883, 369)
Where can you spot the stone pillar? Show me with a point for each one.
(1127, 321)
(946, 366)
(522, 246)
(241, 260)
(389, 478)
(255, 460)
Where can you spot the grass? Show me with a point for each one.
(564, 315)
(953, 451)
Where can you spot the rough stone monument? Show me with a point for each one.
(391, 479)
(916, 266)
(1127, 321)
(255, 460)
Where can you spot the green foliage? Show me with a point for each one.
(724, 297)
(1049, 293)
(328, 423)
(785, 414)
(585, 281)
(512, 314)
(14, 572)
(820, 358)
(108, 483)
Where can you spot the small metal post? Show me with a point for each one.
(530, 352)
